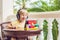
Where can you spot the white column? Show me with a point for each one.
(0, 11)
(49, 37)
(41, 36)
(7, 6)
(0, 15)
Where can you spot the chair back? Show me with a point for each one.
(3, 26)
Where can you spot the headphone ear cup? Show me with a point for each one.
(27, 16)
(18, 16)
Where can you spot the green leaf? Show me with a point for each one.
(45, 29)
(55, 29)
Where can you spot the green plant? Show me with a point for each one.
(55, 29)
(45, 29)
(39, 5)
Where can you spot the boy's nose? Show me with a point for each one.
(24, 16)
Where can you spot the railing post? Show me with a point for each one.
(41, 36)
(49, 37)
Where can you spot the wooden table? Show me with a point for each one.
(20, 33)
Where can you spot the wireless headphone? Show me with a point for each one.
(18, 15)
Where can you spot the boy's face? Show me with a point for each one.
(23, 15)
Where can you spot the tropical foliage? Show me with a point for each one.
(39, 5)
(55, 29)
(45, 29)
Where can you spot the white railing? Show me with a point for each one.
(49, 17)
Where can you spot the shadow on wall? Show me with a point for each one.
(11, 18)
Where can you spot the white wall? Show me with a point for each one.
(7, 8)
(0, 11)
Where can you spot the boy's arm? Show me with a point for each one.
(9, 26)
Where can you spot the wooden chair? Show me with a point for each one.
(3, 26)
(14, 33)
